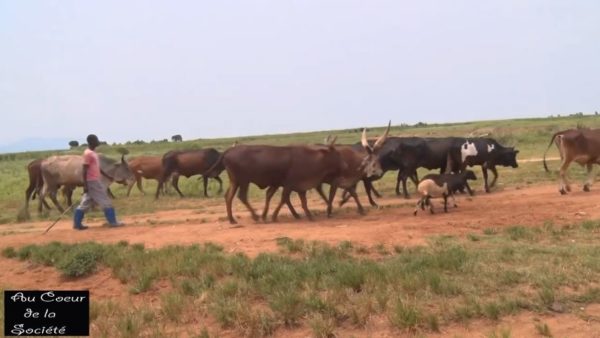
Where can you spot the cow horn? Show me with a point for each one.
(327, 139)
(383, 137)
(364, 141)
(123, 158)
(331, 140)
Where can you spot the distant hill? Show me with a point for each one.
(35, 144)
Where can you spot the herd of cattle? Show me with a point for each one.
(299, 168)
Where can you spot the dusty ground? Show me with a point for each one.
(393, 224)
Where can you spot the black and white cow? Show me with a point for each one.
(487, 153)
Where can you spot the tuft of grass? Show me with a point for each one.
(543, 329)
(9, 252)
(173, 305)
(490, 231)
(473, 238)
(322, 327)
(519, 232)
(546, 296)
(405, 316)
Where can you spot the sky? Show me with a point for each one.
(129, 70)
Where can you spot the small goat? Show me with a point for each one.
(441, 185)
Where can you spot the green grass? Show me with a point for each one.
(327, 287)
(530, 136)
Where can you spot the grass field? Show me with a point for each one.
(420, 289)
(529, 136)
(328, 290)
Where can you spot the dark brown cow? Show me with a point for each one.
(295, 168)
(579, 145)
(189, 163)
(148, 167)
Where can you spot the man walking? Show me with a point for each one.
(94, 190)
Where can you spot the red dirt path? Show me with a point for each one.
(391, 225)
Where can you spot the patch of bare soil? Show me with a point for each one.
(392, 224)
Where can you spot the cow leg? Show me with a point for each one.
(243, 196)
(398, 179)
(415, 178)
(218, 179)
(495, 172)
(377, 194)
(233, 187)
(291, 208)
(445, 203)
(345, 197)
(55, 201)
(159, 187)
(129, 187)
(430, 205)
(270, 192)
(369, 188)
(564, 183)
(332, 191)
(285, 195)
(110, 194)
(590, 177)
(319, 189)
(419, 204)
(175, 184)
(355, 196)
(485, 177)
(404, 188)
(302, 195)
(205, 182)
(454, 200)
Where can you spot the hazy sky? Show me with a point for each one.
(149, 69)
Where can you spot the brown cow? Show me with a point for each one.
(148, 167)
(189, 163)
(295, 168)
(579, 145)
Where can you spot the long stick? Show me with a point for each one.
(59, 217)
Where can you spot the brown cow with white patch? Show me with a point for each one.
(579, 145)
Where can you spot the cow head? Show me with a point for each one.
(469, 175)
(508, 157)
(370, 164)
(117, 170)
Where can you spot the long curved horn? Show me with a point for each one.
(383, 137)
(364, 141)
(331, 141)
(123, 158)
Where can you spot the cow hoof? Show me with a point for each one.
(361, 212)
(586, 188)
(568, 188)
(415, 213)
(562, 192)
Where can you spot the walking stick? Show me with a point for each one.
(58, 219)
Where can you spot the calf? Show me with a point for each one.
(148, 167)
(441, 185)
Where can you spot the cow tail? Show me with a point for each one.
(215, 165)
(549, 145)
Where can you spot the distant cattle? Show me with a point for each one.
(189, 163)
(67, 170)
(576, 145)
(487, 153)
(441, 186)
(148, 167)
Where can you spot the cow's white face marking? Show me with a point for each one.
(468, 149)
(490, 147)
